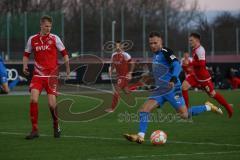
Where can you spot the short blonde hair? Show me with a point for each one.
(46, 18)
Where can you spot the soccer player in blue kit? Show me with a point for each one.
(4, 86)
(165, 70)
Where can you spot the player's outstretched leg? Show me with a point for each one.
(196, 110)
(144, 116)
(185, 96)
(185, 88)
(115, 100)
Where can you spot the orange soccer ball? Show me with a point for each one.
(158, 137)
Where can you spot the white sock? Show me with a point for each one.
(208, 107)
(141, 134)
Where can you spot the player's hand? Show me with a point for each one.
(171, 84)
(25, 70)
(110, 74)
(110, 71)
(172, 81)
(68, 74)
(129, 75)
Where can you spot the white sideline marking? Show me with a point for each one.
(167, 155)
(122, 139)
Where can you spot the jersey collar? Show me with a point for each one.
(196, 48)
(159, 51)
(43, 35)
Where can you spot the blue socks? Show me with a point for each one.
(196, 110)
(143, 122)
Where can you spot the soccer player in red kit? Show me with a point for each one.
(200, 77)
(233, 78)
(186, 63)
(45, 47)
(121, 63)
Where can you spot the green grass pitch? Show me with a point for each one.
(207, 136)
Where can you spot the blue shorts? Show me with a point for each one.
(174, 97)
(3, 74)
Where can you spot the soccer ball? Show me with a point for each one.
(158, 137)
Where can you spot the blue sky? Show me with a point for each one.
(227, 5)
(212, 8)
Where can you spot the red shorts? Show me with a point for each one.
(47, 83)
(122, 82)
(206, 85)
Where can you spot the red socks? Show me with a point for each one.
(34, 116)
(115, 100)
(185, 96)
(218, 97)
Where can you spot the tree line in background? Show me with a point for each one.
(181, 18)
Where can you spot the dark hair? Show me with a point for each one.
(154, 34)
(46, 18)
(195, 35)
(117, 41)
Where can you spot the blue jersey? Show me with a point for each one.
(3, 72)
(166, 68)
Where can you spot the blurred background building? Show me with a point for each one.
(85, 25)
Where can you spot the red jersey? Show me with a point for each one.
(188, 69)
(120, 61)
(199, 64)
(45, 49)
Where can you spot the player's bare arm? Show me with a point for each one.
(132, 66)
(111, 69)
(66, 62)
(25, 65)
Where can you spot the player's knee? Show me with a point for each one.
(184, 115)
(34, 100)
(183, 112)
(5, 89)
(52, 105)
(146, 109)
(212, 94)
(143, 110)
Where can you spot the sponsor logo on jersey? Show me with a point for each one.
(42, 48)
